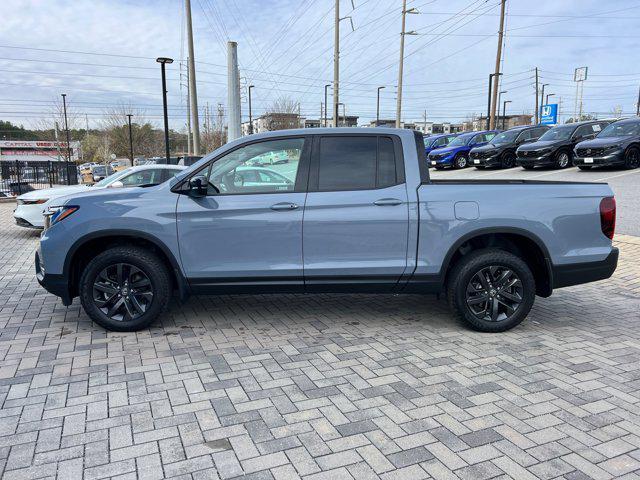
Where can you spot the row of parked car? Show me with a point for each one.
(585, 144)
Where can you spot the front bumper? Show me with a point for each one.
(493, 161)
(584, 272)
(29, 216)
(615, 158)
(541, 161)
(58, 285)
(441, 162)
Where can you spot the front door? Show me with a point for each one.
(356, 216)
(247, 232)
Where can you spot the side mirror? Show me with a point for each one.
(117, 184)
(198, 186)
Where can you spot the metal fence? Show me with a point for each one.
(18, 177)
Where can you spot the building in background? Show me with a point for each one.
(37, 150)
(510, 121)
(427, 128)
(285, 121)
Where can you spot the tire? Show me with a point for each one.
(563, 159)
(632, 158)
(528, 167)
(508, 160)
(461, 161)
(465, 277)
(584, 167)
(102, 281)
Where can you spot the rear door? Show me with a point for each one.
(356, 213)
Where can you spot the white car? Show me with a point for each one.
(31, 205)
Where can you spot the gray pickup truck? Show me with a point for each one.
(326, 210)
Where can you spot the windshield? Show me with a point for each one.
(625, 129)
(107, 180)
(505, 137)
(461, 140)
(558, 133)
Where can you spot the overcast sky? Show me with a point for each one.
(286, 50)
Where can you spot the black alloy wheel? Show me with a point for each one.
(122, 292)
(508, 160)
(632, 158)
(494, 293)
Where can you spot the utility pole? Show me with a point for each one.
(424, 122)
(233, 92)
(129, 115)
(193, 94)
(66, 127)
(401, 64)
(492, 120)
(250, 115)
(189, 133)
(336, 62)
(638, 105)
(537, 120)
(378, 108)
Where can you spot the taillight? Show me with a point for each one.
(608, 216)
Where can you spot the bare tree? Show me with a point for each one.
(283, 114)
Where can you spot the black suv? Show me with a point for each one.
(618, 144)
(501, 150)
(555, 147)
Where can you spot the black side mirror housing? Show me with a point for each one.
(198, 186)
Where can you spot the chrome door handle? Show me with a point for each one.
(383, 202)
(284, 206)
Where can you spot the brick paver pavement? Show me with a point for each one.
(319, 387)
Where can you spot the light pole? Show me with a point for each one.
(504, 112)
(66, 127)
(542, 94)
(378, 108)
(549, 95)
(129, 115)
(326, 106)
(499, 100)
(491, 75)
(163, 61)
(250, 115)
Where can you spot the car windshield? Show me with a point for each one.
(461, 141)
(621, 129)
(111, 178)
(505, 137)
(558, 133)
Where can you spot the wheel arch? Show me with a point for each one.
(523, 243)
(90, 245)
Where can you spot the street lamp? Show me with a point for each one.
(504, 112)
(66, 127)
(129, 115)
(163, 61)
(378, 108)
(325, 104)
(542, 95)
(550, 95)
(491, 75)
(250, 116)
(499, 100)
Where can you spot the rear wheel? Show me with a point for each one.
(125, 288)
(563, 159)
(491, 290)
(508, 160)
(632, 158)
(461, 161)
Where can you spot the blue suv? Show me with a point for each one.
(438, 141)
(456, 154)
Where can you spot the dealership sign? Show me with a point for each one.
(32, 144)
(549, 114)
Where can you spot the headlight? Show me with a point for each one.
(32, 202)
(55, 215)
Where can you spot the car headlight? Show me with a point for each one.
(57, 214)
(39, 201)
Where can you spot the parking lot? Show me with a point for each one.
(324, 386)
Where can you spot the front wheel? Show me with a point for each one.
(125, 288)
(562, 160)
(491, 290)
(632, 158)
(461, 161)
(508, 160)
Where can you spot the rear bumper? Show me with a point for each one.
(578, 273)
(58, 285)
